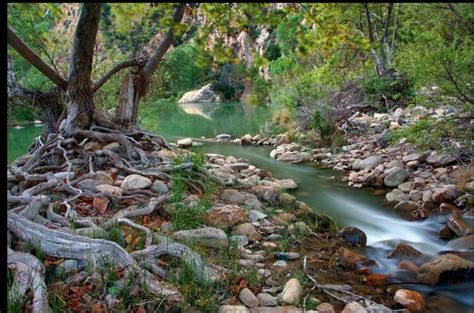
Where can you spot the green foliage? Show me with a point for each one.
(427, 133)
(323, 126)
(272, 52)
(393, 88)
(230, 81)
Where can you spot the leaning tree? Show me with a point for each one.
(47, 188)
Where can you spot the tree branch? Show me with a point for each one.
(99, 83)
(164, 45)
(451, 78)
(34, 59)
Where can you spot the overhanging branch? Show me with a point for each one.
(34, 59)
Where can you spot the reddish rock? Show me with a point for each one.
(411, 300)
(404, 251)
(100, 204)
(113, 172)
(448, 208)
(347, 257)
(459, 226)
(353, 236)
(420, 214)
(224, 216)
(445, 232)
(408, 266)
(430, 271)
(108, 188)
(376, 280)
(445, 193)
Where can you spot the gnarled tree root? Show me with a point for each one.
(28, 274)
(193, 260)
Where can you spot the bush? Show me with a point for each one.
(272, 52)
(395, 88)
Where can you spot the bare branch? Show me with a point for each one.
(99, 83)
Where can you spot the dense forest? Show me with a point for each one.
(351, 188)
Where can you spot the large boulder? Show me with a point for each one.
(207, 236)
(368, 163)
(431, 271)
(203, 94)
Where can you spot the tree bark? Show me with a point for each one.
(135, 84)
(80, 106)
(34, 59)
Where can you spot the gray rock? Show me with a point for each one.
(248, 298)
(394, 164)
(238, 166)
(223, 136)
(255, 215)
(207, 236)
(395, 177)
(274, 237)
(280, 264)
(241, 240)
(159, 187)
(135, 182)
(469, 186)
(252, 204)
(407, 206)
(185, 142)
(286, 199)
(243, 229)
(232, 195)
(266, 299)
(411, 157)
(405, 187)
(288, 184)
(295, 157)
(442, 159)
(367, 163)
(396, 196)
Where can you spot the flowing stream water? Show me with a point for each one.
(319, 188)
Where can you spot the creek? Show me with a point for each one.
(319, 188)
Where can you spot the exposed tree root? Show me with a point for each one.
(28, 274)
(50, 177)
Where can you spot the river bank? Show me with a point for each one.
(275, 247)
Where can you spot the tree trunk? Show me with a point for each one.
(127, 104)
(80, 105)
(135, 85)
